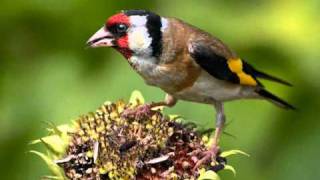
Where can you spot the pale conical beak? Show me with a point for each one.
(102, 38)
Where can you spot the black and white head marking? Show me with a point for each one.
(145, 35)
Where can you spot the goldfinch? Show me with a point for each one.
(185, 62)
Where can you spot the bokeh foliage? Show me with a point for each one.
(46, 74)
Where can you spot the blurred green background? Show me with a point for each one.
(46, 74)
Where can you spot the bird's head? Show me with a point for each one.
(132, 33)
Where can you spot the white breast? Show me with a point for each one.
(145, 66)
(208, 89)
(155, 74)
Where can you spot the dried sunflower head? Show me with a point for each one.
(105, 145)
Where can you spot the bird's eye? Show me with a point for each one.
(118, 29)
(121, 28)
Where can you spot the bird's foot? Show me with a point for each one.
(138, 113)
(207, 157)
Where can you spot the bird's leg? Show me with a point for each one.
(212, 152)
(169, 101)
(145, 110)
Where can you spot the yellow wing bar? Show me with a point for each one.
(236, 66)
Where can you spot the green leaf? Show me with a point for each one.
(54, 144)
(208, 175)
(233, 152)
(136, 98)
(54, 168)
(35, 141)
(53, 128)
(63, 129)
(52, 177)
(174, 117)
(230, 168)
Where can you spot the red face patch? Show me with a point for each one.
(118, 19)
(122, 42)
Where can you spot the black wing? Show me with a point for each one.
(220, 67)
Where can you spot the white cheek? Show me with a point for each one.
(139, 40)
(138, 20)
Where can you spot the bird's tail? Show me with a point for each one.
(266, 76)
(262, 75)
(274, 99)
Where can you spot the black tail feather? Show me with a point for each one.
(263, 75)
(258, 74)
(274, 99)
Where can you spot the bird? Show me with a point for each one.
(186, 62)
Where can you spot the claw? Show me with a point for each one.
(207, 157)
